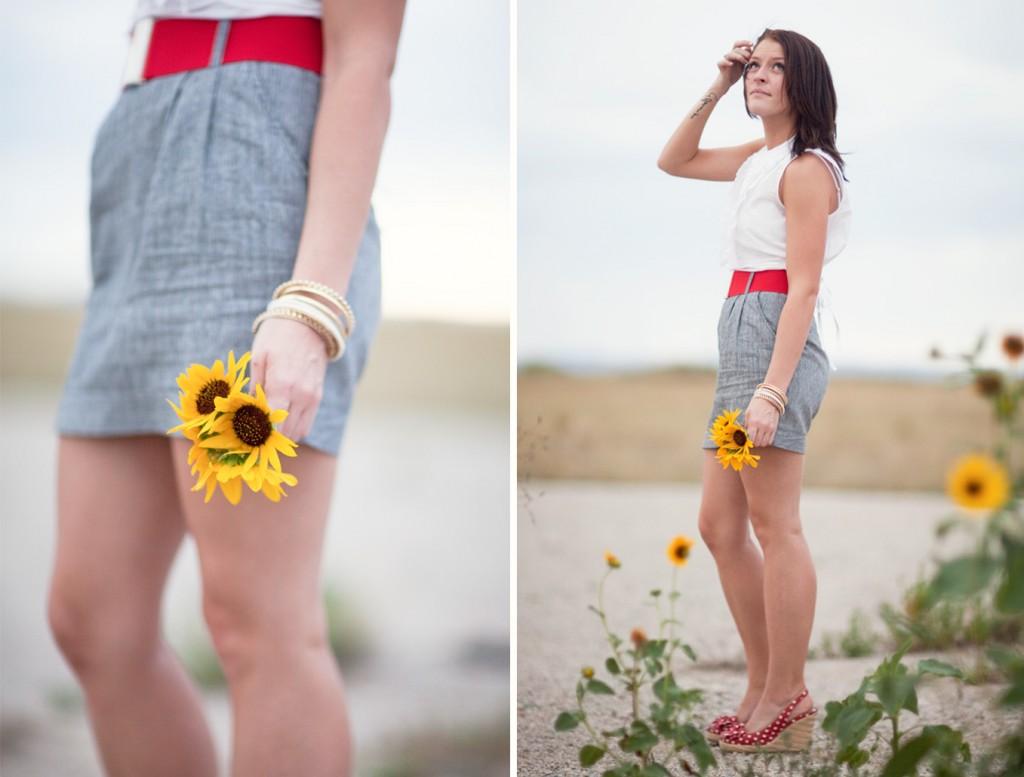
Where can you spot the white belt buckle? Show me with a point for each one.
(138, 48)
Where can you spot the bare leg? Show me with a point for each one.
(725, 529)
(790, 582)
(260, 562)
(119, 528)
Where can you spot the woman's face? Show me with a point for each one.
(764, 79)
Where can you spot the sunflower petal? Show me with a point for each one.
(251, 460)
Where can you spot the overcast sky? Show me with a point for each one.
(618, 262)
(443, 197)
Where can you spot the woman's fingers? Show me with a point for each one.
(294, 425)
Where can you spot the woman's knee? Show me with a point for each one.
(722, 530)
(94, 635)
(774, 529)
(248, 630)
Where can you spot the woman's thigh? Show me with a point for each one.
(773, 491)
(260, 560)
(723, 509)
(119, 527)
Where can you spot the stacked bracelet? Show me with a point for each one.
(320, 291)
(290, 300)
(774, 395)
(334, 348)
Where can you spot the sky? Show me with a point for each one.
(618, 261)
(443, 197)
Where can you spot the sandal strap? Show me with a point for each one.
(791, 706)
(804, 714)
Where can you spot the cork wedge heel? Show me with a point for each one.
(784, 734)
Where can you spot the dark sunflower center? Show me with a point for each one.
(251, 425)
(973, 487)
(681, 552)
(213, 389)
(739, 438)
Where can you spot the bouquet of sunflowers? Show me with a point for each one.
(232, 432)
(734, 445)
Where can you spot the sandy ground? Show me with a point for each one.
(649, 426)
(61, 742)
(866, 547)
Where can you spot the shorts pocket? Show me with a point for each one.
(290, 97)
(770, 305)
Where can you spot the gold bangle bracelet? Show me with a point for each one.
(334, 349)
(774, 400)
(777, 391)
(310, 300)
(323, 291)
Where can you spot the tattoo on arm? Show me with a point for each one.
(705, 101)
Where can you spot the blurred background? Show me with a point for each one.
(619, 262)
(419, 625)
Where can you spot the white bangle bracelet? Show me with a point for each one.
(303, 299)
(292, 302)
(333, 350)
(772, 399)
(321, 290)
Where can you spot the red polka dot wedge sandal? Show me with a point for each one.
(785, 733)
(717, 728)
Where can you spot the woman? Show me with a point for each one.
(788, 215)
(240, 154)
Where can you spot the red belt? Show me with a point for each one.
(175, 45)
(764, 280)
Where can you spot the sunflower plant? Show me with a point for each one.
(234, 440)
(734, 444)
(986, 487)
(643, 743)
(894, 688)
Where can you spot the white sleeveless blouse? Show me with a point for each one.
(754, 222)
(224, 9)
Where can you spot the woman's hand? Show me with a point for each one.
(289, 359)
(730, 66)
(761, 419)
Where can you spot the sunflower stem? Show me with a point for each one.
(604, 619)
(672, 622)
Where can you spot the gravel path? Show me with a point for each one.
(867, 548)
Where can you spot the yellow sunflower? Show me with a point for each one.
(679, 549)
(734, 446)
(200, 386)
(978, 482)
(245, 430)
(737, 458)
(207, 467)
(272, 481)
(611, 559)
(211, 474)
(1013, 346)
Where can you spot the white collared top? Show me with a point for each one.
(754, 220)
(223, 9)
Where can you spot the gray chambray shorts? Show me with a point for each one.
(746, 337)
(197, 198)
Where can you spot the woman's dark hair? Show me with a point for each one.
(812, 97)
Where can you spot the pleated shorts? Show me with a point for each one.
(197, 197)
(746, 338)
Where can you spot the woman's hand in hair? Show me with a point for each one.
(730, 66)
